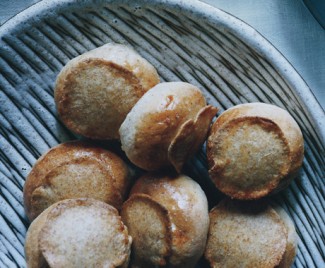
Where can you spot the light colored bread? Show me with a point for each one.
(150, 227)
(245, 234)
(78, 233)
(72, 170)
(292, 238)
(253, 150)
(167, 217)
(166, 126)
(95, 91)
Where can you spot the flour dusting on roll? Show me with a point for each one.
(77, 233)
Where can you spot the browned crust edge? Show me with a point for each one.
(267, 124)
(63, 84)
(35, 178)
(164, 217)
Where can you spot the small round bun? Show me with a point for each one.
(78, 233)
(95, 91)
(72, 170)
(245, 234)
(167, 217)
(166, 126)
(253, 150)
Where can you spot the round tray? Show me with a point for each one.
(188, 41)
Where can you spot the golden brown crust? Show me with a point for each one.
(152, 140)
(190, 137)
(150, 227)
(187, 209)
(245, 234)
(75, 169)
(86, 108)
(246, 169)
(157, 125)
(254, 150)
(95, 91)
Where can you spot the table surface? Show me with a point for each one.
(288, 25)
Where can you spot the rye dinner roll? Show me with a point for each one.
(78, 233)
(253, 150)
(167, 217)
(75, 169)
(246, 234)
(166, 126)
(95, 91)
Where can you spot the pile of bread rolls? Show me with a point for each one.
(87, 208)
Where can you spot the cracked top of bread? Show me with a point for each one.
(253, 150)
(166, 126)
(95, 91)
(167, 216)
(78, 233)
(75, 169)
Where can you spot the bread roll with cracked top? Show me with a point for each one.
(78, 233)
(72, 170)
(245, 234)
(95, 91)
(166, 126)
(253, 150)
(167, 217)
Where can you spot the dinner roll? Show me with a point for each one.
(75, 169)
(243, 234)
(166, 126)
(95, 91)
(253, 150)
(78, 233)
(167, 217)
